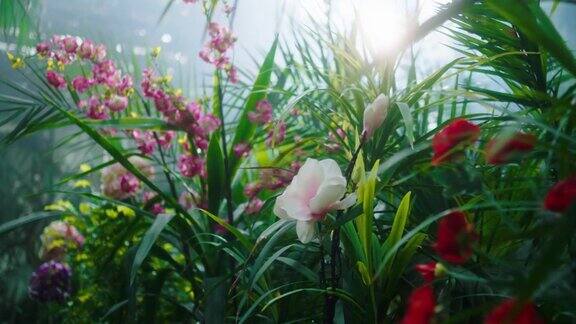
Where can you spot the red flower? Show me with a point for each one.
(460, 132)
(431, 270)
(510, 312)
(561, 195)
(501, 151)
(421, 306)
(455, 238)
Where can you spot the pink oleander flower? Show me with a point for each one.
(86, 49)
(276, 134)
(58, 238)
(125, 85)
(144, 141)
(241, 149)
(55, 79)
(254, 206)
(262, 113)
(191, 165)
(252, 189)
(317, 189)
(118, 183)
(117, 103)
(81, 84)
(375, 114)
(105, 72)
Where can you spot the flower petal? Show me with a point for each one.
(306, 230)
(345, 203)
(329, 192)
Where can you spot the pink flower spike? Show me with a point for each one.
(190, 166)
(81, 84)
(70, 44)
(117, 103)
(252, 189)
(276, 135)
(241, 149)
(42, 49)
(56, 79)
(129, 184)
(96, 109)
(99, 54)
(86, 49)
(254, 206)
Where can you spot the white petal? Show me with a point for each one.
(306, 230)
(330, 168)
(329, 192)
(345, 203)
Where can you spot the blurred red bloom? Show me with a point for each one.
(510, 312)
(501, 151)
(455, 238)
(421, 306)
(561, 195)
(427, 270)
(460, 132)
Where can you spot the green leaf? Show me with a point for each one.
(245, 129)
(399, 222)
(243, 239)
(215, 167)
(24, 220)
(147, 242)
(529, 17)
(408, 121)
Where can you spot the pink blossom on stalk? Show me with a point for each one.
(144, 141)
(56, 79)
(164, 139)
(157, 209)
(204, 54)
(95, 108)
(276, 134)
(117, 103)
(129, 184)
(99, 53)
(191, 165)
(104, 72)
(252, 189)
(81, 84)
(86, 49)
(254, 206)
(208, 123)
(232, 74)
(70, 44)
(125, 84)
(119, 183)
(241, 149)
(42, 48)
(262, 113)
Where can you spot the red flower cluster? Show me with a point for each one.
(501, 151)
(561, 196)
(448, 142)
(455, 238)
(510, 312)
(421, 305)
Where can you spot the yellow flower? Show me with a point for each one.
(59, 205)
(111, 213)
(84, 208)
(85, 167)
(134, 114)
(128, 212)
(84, 297)
(50, 64)
(182, 140)
(156, 51)
(16, 62)
(82, 184)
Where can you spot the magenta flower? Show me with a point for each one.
(254, 206)
(129, 184)
(81, 84)
(262, 113)
(252, 189)
(70, 44)
(117, 103)
(115, 174)
(56, 79)
(95, 109)
(191, 165)
(276, 134)
(241, 149)
(43, 48)
(86, 50)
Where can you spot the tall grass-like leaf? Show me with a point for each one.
(408, 121)
(215, 166)
(147, 242)
(245, 129)
(24, 220)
